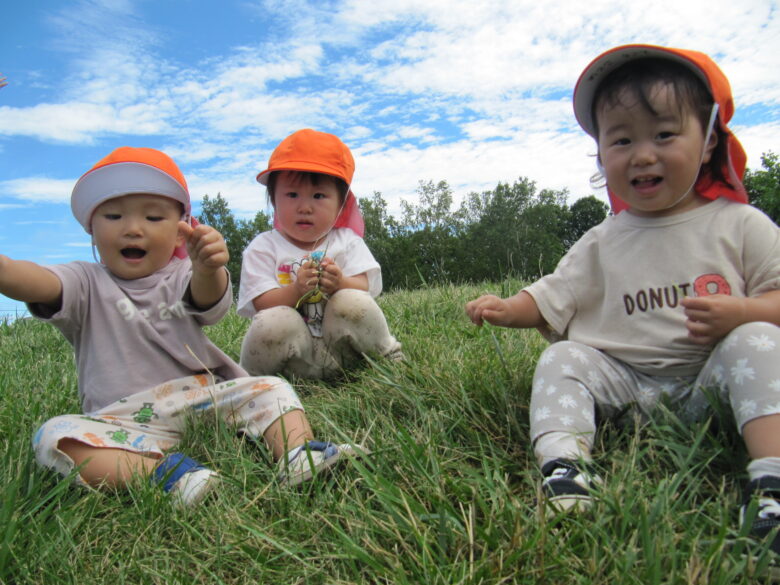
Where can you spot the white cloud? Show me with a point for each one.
(757, 140)
(39, 189)
(471, 93)
(77, 122)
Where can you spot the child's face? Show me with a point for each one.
(136, 234)
(652, 160)
(305, 212)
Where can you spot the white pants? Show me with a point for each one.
(278, 340)
(151, 421)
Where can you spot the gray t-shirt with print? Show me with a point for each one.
(131, 335)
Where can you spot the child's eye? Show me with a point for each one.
(154, 218)
(320, 195)
(665, 135)
(621, 142)
(112, 216)
(291, 194)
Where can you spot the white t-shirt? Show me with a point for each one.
(619, 287)
(271, 261)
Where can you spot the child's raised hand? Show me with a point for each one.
(206, 247)
(711, 318)
(489, 308)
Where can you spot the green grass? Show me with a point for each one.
(449, 495)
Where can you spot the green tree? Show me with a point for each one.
(512, 230)
(491, 242)
(542, 234)
(584, 213)
(763, 186)
(216, 213)
(428, 236)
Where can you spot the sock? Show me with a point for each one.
(562, 445)
(763, 467)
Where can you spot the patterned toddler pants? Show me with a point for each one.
(151, 422)
(574, 383)
(278, 340)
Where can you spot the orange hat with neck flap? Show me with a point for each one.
(706, 70)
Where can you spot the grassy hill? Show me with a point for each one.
(449, 495)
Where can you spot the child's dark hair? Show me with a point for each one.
(313, 178)
(638, 78)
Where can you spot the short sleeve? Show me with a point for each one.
(358, 260)
(258, 274)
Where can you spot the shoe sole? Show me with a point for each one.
(568, 503)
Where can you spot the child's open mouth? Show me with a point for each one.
(646, 181)
(133, 253)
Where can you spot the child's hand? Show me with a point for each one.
(307, 278)
(489, 308)
(712, 317)
(331, 277)
(206, 247)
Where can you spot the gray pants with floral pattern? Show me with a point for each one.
(574, 383)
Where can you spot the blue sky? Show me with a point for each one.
(469, 92)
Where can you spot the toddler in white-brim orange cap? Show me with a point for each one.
(145, 366)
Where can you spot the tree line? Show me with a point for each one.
(512, 230)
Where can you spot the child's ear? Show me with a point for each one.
(712, 142)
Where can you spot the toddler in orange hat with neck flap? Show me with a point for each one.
(135, 322)
(309, 284)
(677, 292)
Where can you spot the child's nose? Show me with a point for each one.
(132, 227)
(644, 154)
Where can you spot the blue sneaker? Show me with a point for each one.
(304, 462)
(186, 480)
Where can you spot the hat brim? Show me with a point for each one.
(117, 180)
(604, 64)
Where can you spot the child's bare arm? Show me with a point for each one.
(518, 311)
(209, 255)
(712, 317)
(28, 282)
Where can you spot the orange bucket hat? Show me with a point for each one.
(701, 66)
(126, 171)
(311, 151)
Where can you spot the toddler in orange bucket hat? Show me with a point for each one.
(135, 322)
(309, 284)
(677, 291)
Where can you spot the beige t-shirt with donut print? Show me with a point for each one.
(619, 287)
